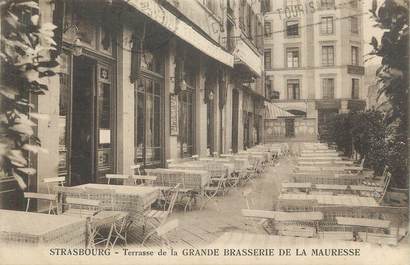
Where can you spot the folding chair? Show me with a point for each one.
(136, 167)
(161, 232)
(169, 162)
(51, 198)
(122, 177)
(212, 189)
(52, 182)
(97, 220)
(157, 217)
(107, 203)
(144, 180)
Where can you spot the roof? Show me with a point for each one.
(272, 111)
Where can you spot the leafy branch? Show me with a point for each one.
(26, 66)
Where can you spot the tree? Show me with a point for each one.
(393, 18)
(26, 65)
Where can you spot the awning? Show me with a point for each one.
(243, 53)
(272, 111)
(165, 18)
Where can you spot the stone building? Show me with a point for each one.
(313, 58)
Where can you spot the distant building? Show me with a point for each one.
(313, 58)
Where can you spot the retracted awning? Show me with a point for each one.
(165, 18)
(272, 111)
(243, 53)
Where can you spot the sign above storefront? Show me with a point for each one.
(165, 18)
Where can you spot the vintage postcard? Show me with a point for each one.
(204, 132)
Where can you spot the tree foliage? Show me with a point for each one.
(26, 66)
(393, 18)
(364, 133)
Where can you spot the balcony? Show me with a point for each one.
(355, 70)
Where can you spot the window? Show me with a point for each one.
(186, 111)
(354, 24)
(328, 85)
(355, 55)
(355, 88)
(148, 105)
(267, 56)
(266, 6)
(292, 55)
(293, 89)
(292, 28)
(353, 3)
(292, 2)
(268, 87)
(326, 25)
(186, 123)
(249, 22)
(268, 29)
(328, 55)
(327, 3)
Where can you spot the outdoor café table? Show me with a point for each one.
(190, 179)
(321, 158)
(347, 200)
(308, 154)
(132, 199)
(203, 165)
(324, 151)
(34, 229)
(327, 178)
(265, 155)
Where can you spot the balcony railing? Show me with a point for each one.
(355, 69)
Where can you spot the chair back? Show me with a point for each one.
(122, 177)
(40, 196)
(170, 161)
(136, 167)
(174, 197)
(54, 181)
(386, 183)
(145, 180)
(162, 230)
(362, 162)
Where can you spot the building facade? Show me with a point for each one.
(313, 62)
(143, 82)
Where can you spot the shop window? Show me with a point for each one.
(148, 120)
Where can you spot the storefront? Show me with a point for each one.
(87, 94)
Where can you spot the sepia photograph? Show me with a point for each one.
(204, 132)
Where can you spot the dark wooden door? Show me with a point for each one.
(290, 127)
(235, 111)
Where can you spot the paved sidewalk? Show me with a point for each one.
(200, 228)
